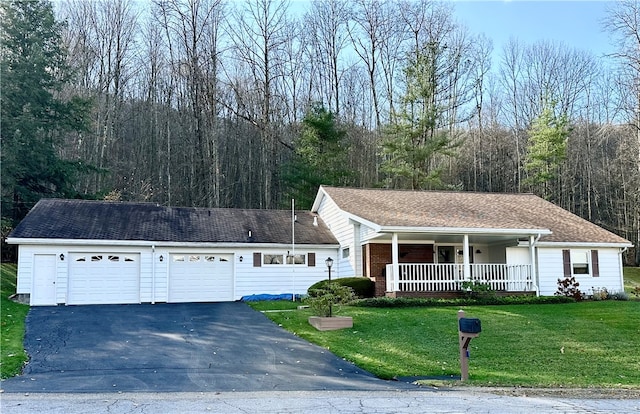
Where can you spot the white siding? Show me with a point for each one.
(550, 269)
(25, 269)
(160, 283)
(278, 279)
(248, 280)
(342, 229)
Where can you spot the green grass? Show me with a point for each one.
(631, 279)
(582, 344)
(12, 316)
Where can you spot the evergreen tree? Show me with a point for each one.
(34, 117)
(417, 136)
(320, 157)
(546, 149)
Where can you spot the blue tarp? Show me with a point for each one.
(267, 296)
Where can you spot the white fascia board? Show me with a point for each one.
(583, 244)
(357, 219)
(462, 230)
(146, 243)
(78, 242)
(318, 200)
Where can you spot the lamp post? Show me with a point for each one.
(329, 263)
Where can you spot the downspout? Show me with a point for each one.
(153, 274)
(621, 266)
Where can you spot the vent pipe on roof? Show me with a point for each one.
(315, 221)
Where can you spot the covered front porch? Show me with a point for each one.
(438, 265)
(426, 279)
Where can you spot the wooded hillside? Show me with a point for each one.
(251, 103)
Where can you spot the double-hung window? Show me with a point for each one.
(580, 262)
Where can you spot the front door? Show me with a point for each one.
(453, 254)
(44, 280)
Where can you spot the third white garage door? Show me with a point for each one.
(201, 278)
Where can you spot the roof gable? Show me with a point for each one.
(468, 210)
(102, 220)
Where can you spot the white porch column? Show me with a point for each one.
(357, 251)
(534, 269)
(395, 261)
(466, 266)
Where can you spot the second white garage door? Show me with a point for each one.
(201, 278)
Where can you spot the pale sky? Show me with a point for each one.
(574, 23)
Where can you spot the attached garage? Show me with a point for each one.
(200, 277)
(103, 278)
(79, 252)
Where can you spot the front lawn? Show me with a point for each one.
(12, 315)
(571, 345)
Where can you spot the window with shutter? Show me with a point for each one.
(580, 262)
(566, 262)
(595, 266)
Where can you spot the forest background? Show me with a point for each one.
(248, 104)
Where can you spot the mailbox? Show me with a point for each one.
(470, 325)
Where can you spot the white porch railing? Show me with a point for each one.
(425, 277)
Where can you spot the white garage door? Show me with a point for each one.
(201, 278)
(104, 278)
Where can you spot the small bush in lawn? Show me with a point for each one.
(622, 295)
(569, 287)
(599, 293)
(362, 287)
(478, 290)
(326, 300)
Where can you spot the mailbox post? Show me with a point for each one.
(468, 328)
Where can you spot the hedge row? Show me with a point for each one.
(383, 302)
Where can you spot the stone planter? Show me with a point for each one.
(331, 323)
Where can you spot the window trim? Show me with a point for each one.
(568, 263)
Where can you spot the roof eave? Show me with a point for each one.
(583, 244)
(149, 243)
(463, 230)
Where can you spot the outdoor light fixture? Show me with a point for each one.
(329, 263)
(478, 251)
(161, 258)
(61, 256)
(240, 259)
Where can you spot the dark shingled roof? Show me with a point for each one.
(102, 220)
(448, 209)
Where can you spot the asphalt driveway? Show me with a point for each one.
(175, 347)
